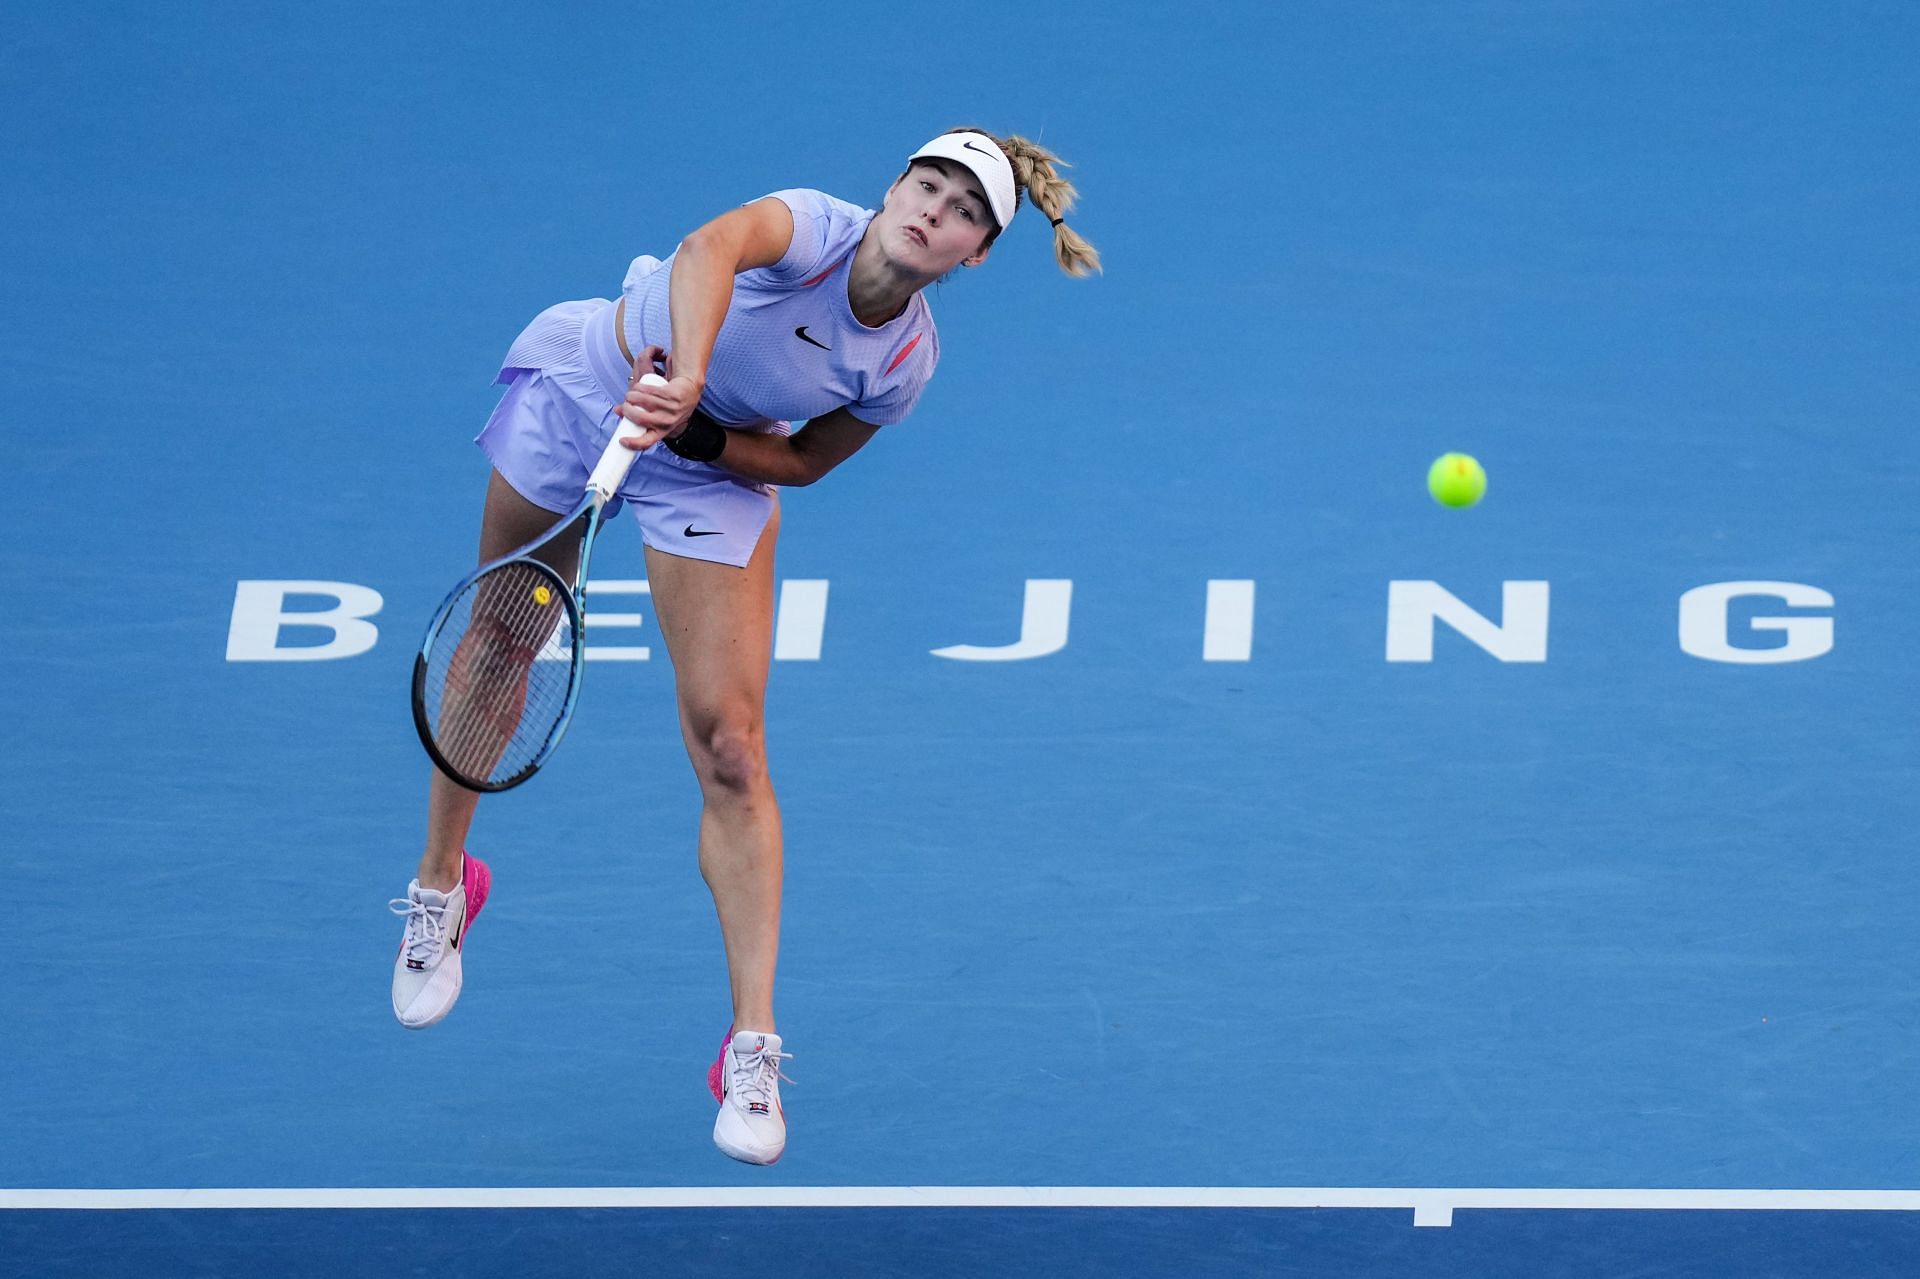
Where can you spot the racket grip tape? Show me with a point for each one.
(617, 459)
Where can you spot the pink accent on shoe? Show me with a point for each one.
(716, 1077)
(477, 880)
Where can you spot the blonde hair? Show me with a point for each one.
(1036, 173)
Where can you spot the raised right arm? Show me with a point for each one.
(741, 239)
(754, 235)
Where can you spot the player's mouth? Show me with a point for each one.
(917, 234)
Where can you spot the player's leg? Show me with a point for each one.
(541, 436)
(452, 887)
(718, 625)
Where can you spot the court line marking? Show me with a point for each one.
(1431, 1206)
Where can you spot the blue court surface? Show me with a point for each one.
(1205, 854)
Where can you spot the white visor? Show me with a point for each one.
(981, 156)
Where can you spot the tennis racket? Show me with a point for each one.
(498, 674)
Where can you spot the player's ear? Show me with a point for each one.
(979, 257)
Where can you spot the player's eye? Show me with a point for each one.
(964, 211)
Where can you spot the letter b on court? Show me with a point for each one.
(260, 614)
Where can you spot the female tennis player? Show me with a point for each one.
(795, 307)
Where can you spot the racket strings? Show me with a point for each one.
(491, 666)
(488, 673)
(492, 702)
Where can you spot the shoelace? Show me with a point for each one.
(757, 1076)
(426, 925)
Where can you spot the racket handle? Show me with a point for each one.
(617, 460)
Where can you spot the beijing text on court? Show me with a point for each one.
(1737, 622)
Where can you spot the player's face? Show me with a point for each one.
(935, 218)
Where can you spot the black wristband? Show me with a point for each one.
(704, 440)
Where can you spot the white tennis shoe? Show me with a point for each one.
(746, 1082)
(426, 973)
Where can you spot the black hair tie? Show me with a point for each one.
(1057, 221)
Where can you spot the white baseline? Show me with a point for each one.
(1431, 1206)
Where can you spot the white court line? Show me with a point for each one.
(1432, 1206)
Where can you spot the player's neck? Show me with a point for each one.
(878, 289)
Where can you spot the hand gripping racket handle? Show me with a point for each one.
(617, 460)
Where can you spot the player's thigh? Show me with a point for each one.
(718, 624)
(511, 521)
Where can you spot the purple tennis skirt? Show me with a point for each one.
(563, 375)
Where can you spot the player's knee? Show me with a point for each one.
(732, 753)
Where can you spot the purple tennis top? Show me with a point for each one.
(790, 347)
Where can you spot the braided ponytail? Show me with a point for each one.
(1035, 173)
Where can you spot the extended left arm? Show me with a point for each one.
(801, 458)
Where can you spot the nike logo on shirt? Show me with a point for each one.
(707, 532)
(801, 333)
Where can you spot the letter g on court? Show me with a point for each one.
(1703, 622)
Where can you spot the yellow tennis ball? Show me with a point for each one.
(542, 596)
(1455, 479)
